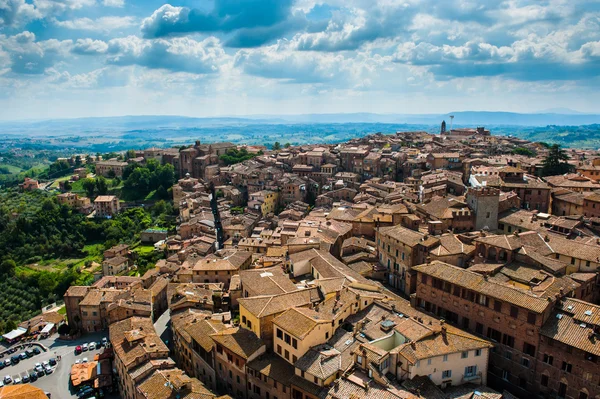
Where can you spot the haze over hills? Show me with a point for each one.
(461, 118)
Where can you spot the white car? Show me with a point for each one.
(78, 361)
(45, 364)
(7, 379)
(85, 360)
(92, 346)
(17, 380)
(38, 367)
(1, 384)
(84, 347)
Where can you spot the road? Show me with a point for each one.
(57, 383)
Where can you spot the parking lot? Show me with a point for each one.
(58, 382)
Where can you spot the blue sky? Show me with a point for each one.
(72, 58)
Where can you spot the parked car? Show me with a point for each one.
(29, 353)
(15, 359)
(2, 365)
(92, 346)
(104, 341)
(1, 383)
(41, 373)
(85, 360)
(17, 380)
(7, 362)
(78, 349)
(85, 392)
(52, 361)
(38, 367)
(23, 355)
(33, 376)
(48, 370)
(84, 347)
(36, 350)
(7, 379)
(25, 378)
(78, 361)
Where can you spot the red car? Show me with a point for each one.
(78, 350)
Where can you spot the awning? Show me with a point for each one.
(14, 334)
(48, 328)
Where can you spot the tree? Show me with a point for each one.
(523, 151)
(101, 185)
(67, 185)
(130, 154)
(10, 325)
(89, 185)
(7, 267)
(111, 174)
(555, 162)
(287, 145)
(276, 146)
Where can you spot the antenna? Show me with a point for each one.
(451, 119)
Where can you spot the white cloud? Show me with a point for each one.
(27, 56)
(114, 3)
(89, 47)
(102, 24)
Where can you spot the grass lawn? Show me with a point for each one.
(62, 310)
(144, 249)
(11, 168)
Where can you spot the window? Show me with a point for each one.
(583, 395)
(548, 359)
(525, 361)
(464, 355)
(316, 380)
(279, 334)
(508, 340)
(498, 306)
(237, 378)
(359, 359)
(249, 324)
(531, 318)
(529, 349)
(572, 261)
(566, 367)
(544, 380)
(508, 355)
(470, 371)
(244, 319)
(505, 375)
(429, 362)
(447, 374)
(445, 358)
(477, 352)
(302, 373)
(424, 278)
(294, 358)
(385, 364)
(514, 312)
(287, 355)
(562, 390)
(479, 328)
(287, 339)
(294, 343)
(279, 349)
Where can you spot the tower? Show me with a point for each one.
(484, 202)
(451, 120)
(443, 128)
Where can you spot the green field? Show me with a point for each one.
(11, 168)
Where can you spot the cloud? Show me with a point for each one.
(16, 12)
(89, 47)
(176, 55)
(114, 3)
(30, 57)
(253, 22)
(102, 24)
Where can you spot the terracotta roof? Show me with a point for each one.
(407, 236)
(267, 281)
(299, 321)
(573, 322)
(262, 306)
(22, 391)
(274, 367)
(173, 384)
(240, 341)
(488, 287)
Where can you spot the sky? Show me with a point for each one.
(76, 58)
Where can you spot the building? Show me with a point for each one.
(106, 206)
(22, 391)
(399, 250)
(29, 185)
(484, 202)
(499, 305)
(110, 168)
(115, 266)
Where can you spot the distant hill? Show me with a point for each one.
(461, 118)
